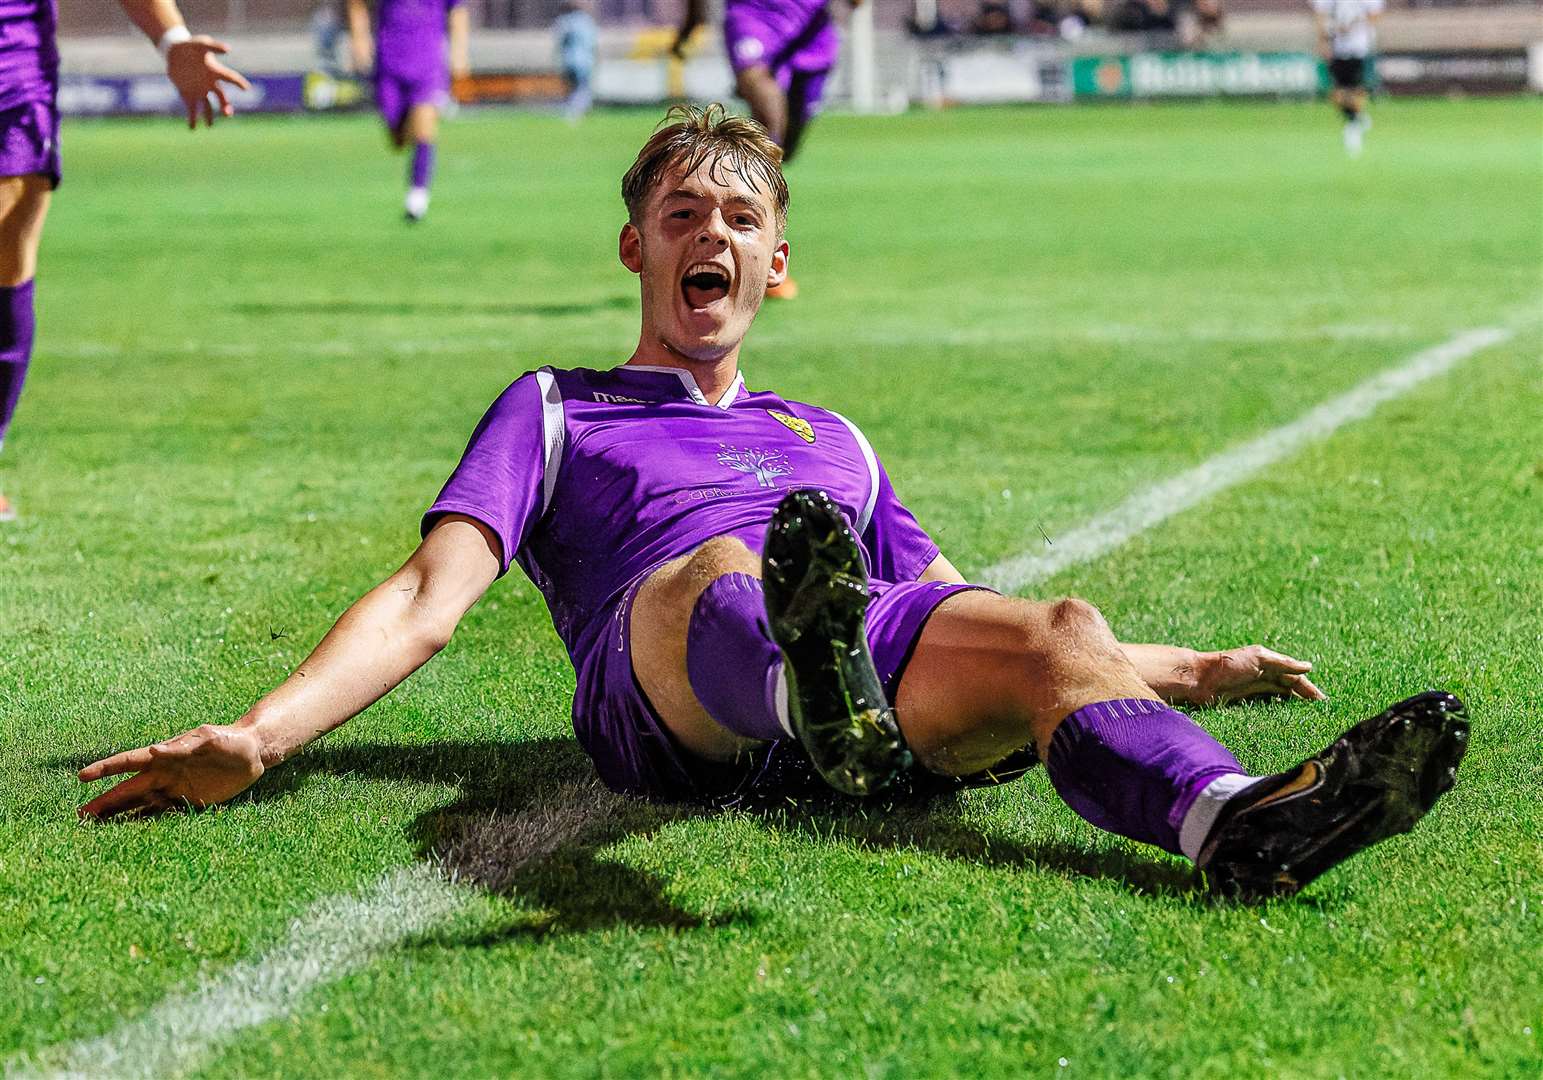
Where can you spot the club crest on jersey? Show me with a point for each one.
(764, 465)
(802, 428)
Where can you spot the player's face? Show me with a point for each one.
(706, 246)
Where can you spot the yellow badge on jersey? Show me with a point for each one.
(802, 428)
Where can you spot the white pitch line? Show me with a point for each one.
(340, 934)
(335, 936)
(1149, 507)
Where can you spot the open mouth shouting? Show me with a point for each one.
(704, 284)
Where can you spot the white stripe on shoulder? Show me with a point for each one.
(553, 429)
(873, 471)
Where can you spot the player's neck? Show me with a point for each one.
(713, 377)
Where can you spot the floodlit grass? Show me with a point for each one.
(251, 377)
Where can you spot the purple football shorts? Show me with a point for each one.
(395, 95)
(635, 753)
(806, 53)
(29, 141)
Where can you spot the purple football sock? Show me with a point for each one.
(423, 164)
(1134, 767)
(15, 347)
(734, 666)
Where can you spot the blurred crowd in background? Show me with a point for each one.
(1189, 21)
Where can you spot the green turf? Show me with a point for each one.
(251, 377)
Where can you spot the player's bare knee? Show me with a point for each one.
(23, 208)
(1077, 618)
(1065, 642)
(722, 555)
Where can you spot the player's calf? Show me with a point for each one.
(1145, 771)
(695, 644)
(786, 658)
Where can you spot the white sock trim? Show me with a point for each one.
(780, 700)
(1205, 810)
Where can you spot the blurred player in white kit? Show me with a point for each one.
(1346, 38)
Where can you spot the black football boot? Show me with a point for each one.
(1375, 781)
(816, 590)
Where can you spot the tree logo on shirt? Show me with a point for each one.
(765, 465)
(802, 428)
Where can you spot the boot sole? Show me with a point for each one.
(816, 600)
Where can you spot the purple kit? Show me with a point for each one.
(411, 67)
(29, 82)
(795, 39)
(593, 479)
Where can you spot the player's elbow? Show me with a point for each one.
(422, 622)
(431, 629)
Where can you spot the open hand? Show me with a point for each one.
(1253, 671)
(197, 75)
(207, 765)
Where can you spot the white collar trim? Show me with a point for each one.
(694, 391)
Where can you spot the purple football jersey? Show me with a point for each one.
(29, 55)
(591, 479)
(410, 37)
(790, 15)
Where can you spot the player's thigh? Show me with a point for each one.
(992, 673)
(763, 93)
(23, 208)
(422, 122)
(660, 618)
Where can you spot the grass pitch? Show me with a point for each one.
(251, 377)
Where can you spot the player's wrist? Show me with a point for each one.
(1215, 676)
(174, 36)
(262, 724)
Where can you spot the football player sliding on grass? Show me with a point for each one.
(747, 602)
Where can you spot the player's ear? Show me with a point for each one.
(630, 248)
(777, 273)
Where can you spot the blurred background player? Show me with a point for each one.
(412, 75)
(1345, 37)
(578, 39)
(29, 150)
(782, 52)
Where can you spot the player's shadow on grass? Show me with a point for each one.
(372, 308)
(532, 822)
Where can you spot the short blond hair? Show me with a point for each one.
(714, 136)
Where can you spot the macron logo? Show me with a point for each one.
(617, 399)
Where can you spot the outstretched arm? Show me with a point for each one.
(379, 641)
(191, 62)
(1183, 676)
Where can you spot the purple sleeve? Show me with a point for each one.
(501, 478)
(900, 549)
